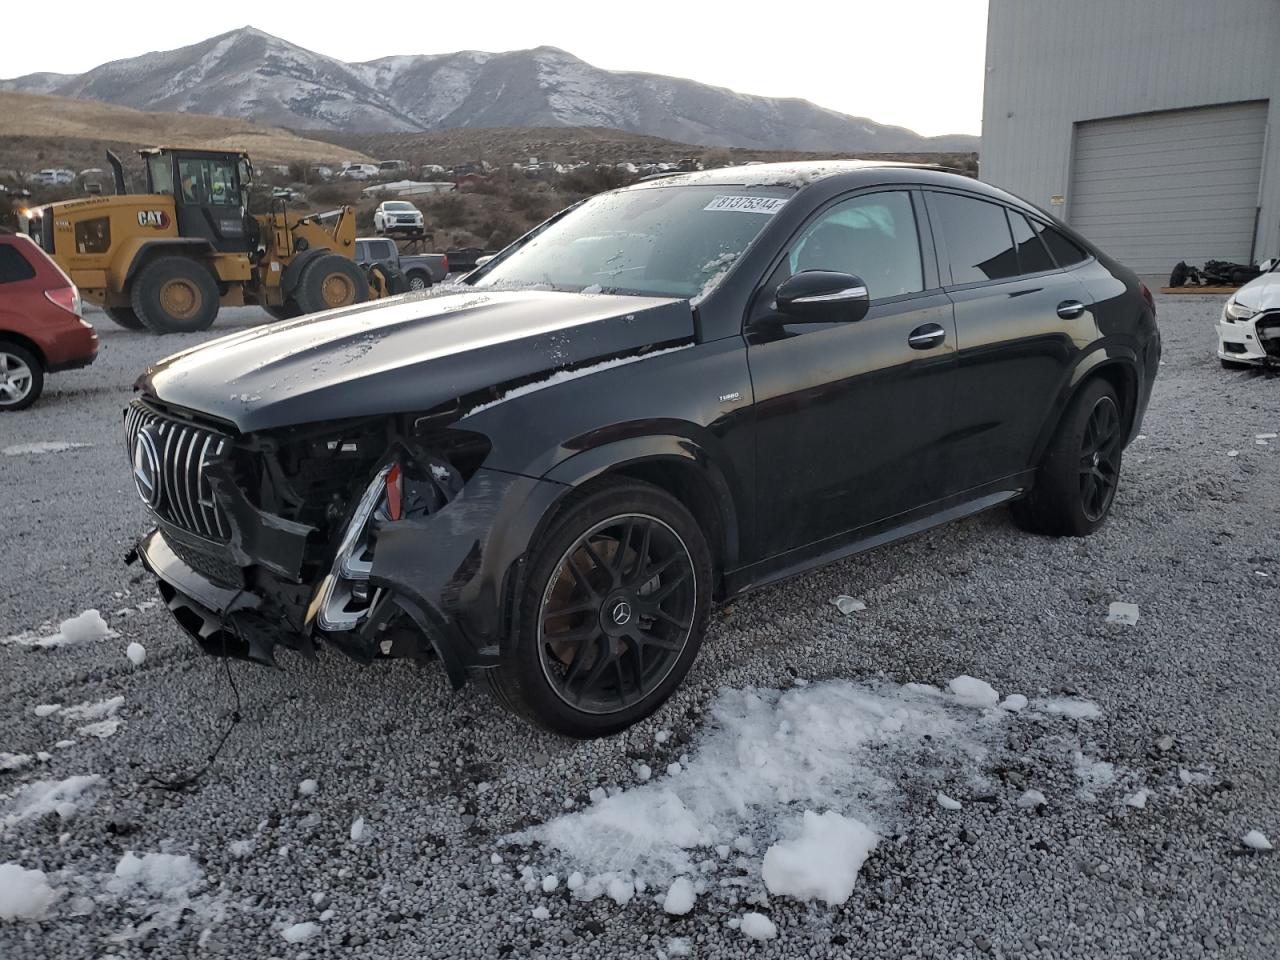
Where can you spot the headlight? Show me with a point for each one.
(1234, 310)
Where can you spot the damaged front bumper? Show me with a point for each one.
(440, 583)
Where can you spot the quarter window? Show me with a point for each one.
(1066, 252)
(1032, 255)
(976, 234)
(871, 236)
(14, 266)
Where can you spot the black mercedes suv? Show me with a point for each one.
(662, 397)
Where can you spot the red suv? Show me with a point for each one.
(41, 330)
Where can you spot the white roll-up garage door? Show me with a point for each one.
(1154, 189)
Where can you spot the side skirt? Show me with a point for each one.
(872, 535)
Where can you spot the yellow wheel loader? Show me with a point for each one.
(167, 259)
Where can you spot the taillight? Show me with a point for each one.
(68, 298)
(446, 263)
(395, 492)
(1146, 295)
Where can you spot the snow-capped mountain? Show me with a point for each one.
(248, 73)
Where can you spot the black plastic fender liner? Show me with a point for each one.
(451, 571)
(258, 537)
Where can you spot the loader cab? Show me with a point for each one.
(210, 193)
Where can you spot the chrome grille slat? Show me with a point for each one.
(185, 451)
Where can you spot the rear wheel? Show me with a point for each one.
(611, 614)
(329, 282)
(419, 280)
(21, 377)
(175, 295)
(1076, 481)
(124, 317)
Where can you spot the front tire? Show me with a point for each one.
(175, 295)
(21, 377)
(1076, 481)
(329, 282)
(124, 317)
(611, 614)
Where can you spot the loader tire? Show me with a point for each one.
(330, 282)
(175, 295)
(124, 317)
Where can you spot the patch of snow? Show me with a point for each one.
(1137, 800)
(1075, 707)
(1125, 613)
(541, 913)
(308, 787)
(300, 932)
(43, 797)
(1265, 436)
(1093, 773)
(15, 761)
(679, 947)
(101, 729)
(832, 745)
(1233, 453)
(757, 926)
(563, 376)
(357, 829)
(662, 736)
(240, 848)
(136, 653)
(93, 710)
(621, 891)
(83, 628)
(1256, 840)
(160, 874)
(847, 604)
(822, 859)
(1032, 799)
(42, 446)
(24, 894)
(680, 897)
(549, 883)
(973, 692)
(1014, 703)
(44, 709)
(948, 803)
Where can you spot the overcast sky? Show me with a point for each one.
(916, 63)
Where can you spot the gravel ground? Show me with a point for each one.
(1194, 686)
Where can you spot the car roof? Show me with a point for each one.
(836, 174)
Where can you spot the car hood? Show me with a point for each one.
(1261, 293)
(407, 354)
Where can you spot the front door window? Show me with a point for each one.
(208, 182)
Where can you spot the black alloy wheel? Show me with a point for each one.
(617, 613)
(612, 613)
(1076, 481)
(1100, 459)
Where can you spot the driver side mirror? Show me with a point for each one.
(822, 296)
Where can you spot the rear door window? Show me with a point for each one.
(14, 266)
(976, 236)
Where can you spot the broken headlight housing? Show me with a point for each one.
(1235, 310)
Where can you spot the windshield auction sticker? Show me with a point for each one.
(739, 204)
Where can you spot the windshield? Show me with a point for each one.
(400, 205)
(663, 241)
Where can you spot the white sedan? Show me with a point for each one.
(1249, 330)
(397, 215)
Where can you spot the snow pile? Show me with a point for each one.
(1125, 613)
(160, 874)
(821, 861)
(1092, 773)
(15, 761)
(757, 926)
(847, 604)
(82, 628)
(680, 897)
(93, 710)
(1137, 800)
(1031, 799)
(948, 803)
(308, 787)
(43, 797)
(136, 653)
(300, 932)
(1074, 707)
(973, 692)
(24, 894)
(1014, 703)
(1256, 840)
(833, 746)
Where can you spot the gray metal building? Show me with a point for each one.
(1151, 126)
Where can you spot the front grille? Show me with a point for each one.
(1268, 328)
(177, 489)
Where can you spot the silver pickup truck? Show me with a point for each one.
(420, 270)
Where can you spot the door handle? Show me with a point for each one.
(1070, 309)
(926, 336)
